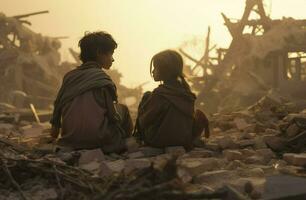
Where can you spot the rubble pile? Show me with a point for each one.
(31, 68)
(250, 155)
(264, 54)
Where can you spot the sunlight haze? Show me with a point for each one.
(141, 27)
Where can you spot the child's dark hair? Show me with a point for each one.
(170, 64)
(94, 42)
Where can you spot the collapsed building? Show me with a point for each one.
(264, 55)
(31, 69)
(256, 153)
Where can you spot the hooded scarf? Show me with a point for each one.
(86, 77)
(181, 98)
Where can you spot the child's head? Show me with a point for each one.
(166, 65)
(98, 47)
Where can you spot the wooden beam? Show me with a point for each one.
(190, 57)
(230, 26)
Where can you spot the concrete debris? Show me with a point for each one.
(32, 69)
(254, 94)
(295, 159)
(176, 151)
(232, 157)
(88, 156)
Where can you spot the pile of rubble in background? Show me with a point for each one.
(259, 152)
(264, 54)
(31, 69)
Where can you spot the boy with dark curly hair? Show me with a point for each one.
(86, 113)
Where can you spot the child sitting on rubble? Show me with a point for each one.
(86, 109)
(166, 116)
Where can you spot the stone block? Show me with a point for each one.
(160, 161)
(196, 166)
(246, 143)
(175, 150)
(235, 165)
(216, 178)
(136, 164)
(151, 151)
(231, 155)
(292, 130)
(275, 143)
(248, 152)
(212, 146)
(199, 153)
(295, 159)
(267, 154)
(226, 142)
(255, 160)
(241, 124)
(116, 166)
(137, 154)
(88, 156)
(248, 135)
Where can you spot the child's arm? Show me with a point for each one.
(151, 111)
(200, 123)
(112, 113)
(54, 132)
(104, 98)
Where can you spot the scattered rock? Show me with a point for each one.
(116, 166)
(292, 130)
(176, 150)
(88, 156)
(136, 164)
(260, 143)
(295, 159)
(248, 135)
(241, 124)
(226, 142)
(289, 157)
(255, 160)
(267, 154)
(212, 146)
(255, 172)
(137, 154)
(248, 152)
(199, 153)
(246, 143)
(104, 170)
(275, 143)
(184, 175)
(231, 155)
(160, 161)
(197, 166)
(150, 151)
(235, 165)
(216, 178)
(93, 166)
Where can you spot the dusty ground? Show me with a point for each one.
(258, 153)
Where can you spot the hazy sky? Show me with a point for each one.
(141, 27)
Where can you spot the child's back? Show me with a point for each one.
(168, 116)
(85, 107)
